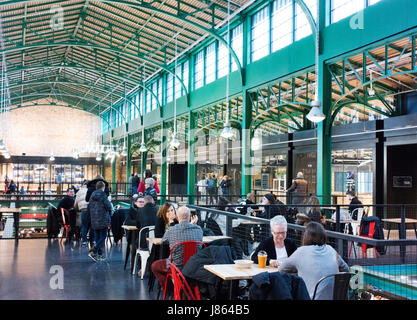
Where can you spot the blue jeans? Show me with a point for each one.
(134, 190)
(100, 237)
(85, 225)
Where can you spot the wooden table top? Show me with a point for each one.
(398, 220)
(206, 239)
(328, 208)
(231, 272)
(129, 227)
(10, 210)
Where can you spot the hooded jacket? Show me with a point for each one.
(99, 208)
(80, 202)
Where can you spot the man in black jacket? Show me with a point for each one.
(91, 187)
(354, 203)
(146, 217)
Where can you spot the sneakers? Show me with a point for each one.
(91, 248)
(101, 257)
(93, 256)
(84, 244)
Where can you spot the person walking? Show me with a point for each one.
(100, 210)
(225, 186)
(298, 189)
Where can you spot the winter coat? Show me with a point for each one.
(91, 187)
(99, 208)
(141, 188)
(278, 286)
(151, 192)
(52, 223)
(268, 246)
(117, 220)
(135, 181)
(146, 217)
(80, 202)
(378, 233)
(160, 226)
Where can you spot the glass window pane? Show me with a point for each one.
(344, 8)
(185, 75)
(223, 60)
(260, 34)
(237, 45)
(281, 24)
(211, 63)
(170, 87)
(160, 90)
(302, 26)
(199, 70)
(177, 82)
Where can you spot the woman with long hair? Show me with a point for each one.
(165, 217)
(314, 260)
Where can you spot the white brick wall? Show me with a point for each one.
(40, 130)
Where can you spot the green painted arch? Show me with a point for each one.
(280, 106)
(70, 83)
(308, 15)
(146, 6)
(57, 105)
(79, 67)
(219, 122)
(330, 119)
(93, 46)
(257, 124)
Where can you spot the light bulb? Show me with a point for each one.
(227, 131)
(371, 92)
(175, 142)
(316, 115)
(98, 158)
(52, 158)
(143, 147)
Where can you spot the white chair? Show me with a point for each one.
(356, 223)
(144, 253)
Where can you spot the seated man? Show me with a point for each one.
(185, 230)
(146, 217)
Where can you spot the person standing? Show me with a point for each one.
(81, 206)
(135, 184)
(298, 189)
(141, 188)
(67, 203)
(225, 186)
(6, 183)
(202, 187)
(91, 187)
(100, 210)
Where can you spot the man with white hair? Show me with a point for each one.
(277, 247)
(185, 230)
(298, 189)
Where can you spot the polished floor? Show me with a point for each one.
(32, 269)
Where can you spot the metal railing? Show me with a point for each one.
(385, 267)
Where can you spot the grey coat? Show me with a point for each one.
(100, 209)
(313, 263)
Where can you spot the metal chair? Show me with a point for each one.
(189, 249)
(340, 286)
(181, 285)
(143, 252)
(65, 223)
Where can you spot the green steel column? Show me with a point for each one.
(128, 164)
(324, 143)
(191, 158)
(246, 144)
(164, 146)
(247, 118)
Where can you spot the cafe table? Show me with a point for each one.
(230, 272)
(398, 222)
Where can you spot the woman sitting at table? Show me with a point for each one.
(277, 247)
(315, 260)
(165, 217)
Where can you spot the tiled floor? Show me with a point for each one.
(25, 273)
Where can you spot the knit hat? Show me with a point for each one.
(300, 175)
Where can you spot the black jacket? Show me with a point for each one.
(117, 220)
(91, 187)
(67, 203)
(135, 181)
(151, 192)
(378, 232)
(278, 286)
(52, 223)
(269, 247)
(160, 226)
(99, 209)
(355, 203)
